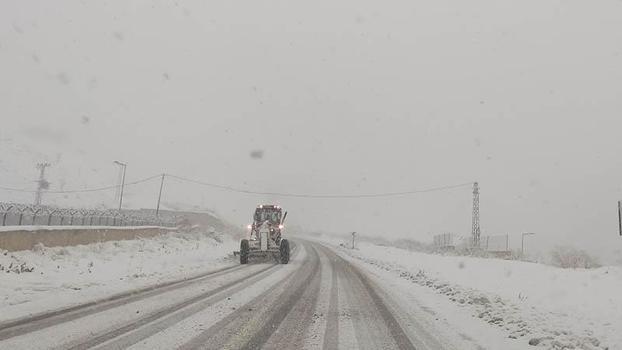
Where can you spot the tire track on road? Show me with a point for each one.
(251, 326)
(124, 338)
(27, 325)
(136, 331)
(367, 306)
(315, 332)
(331, 335)
(322, 301)
(296, 315)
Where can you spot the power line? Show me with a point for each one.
(264, 193)
(83, 190)
(325, 196)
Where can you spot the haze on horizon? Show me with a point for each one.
(327, 98)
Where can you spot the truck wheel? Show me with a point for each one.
(284, 251)
(244, 248)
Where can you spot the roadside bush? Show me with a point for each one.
(39, 248)
(568, 257)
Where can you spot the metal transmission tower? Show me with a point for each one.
(476, 228)
(42, 184)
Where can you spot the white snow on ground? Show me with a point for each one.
(50, 278)
(548, 306)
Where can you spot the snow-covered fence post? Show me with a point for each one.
(3, 209)
(106, 215)
(66, 212)
(55, 213)
(72, 214)
(100, 215)
(91, 214)
(6, 209)
(83, 213)
(21, 209)
(116, 220)
(34, 214)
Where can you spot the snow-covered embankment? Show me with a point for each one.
(33, 281)
(528, 304)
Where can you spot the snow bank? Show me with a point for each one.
(51, 278)
(547, 306)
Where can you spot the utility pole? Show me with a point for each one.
(117, 189)
(124, 167)
(160, 196)
(42, 184)
(620, 217)
(475, 231)
(353, 235)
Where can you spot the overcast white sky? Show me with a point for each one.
(342, 96)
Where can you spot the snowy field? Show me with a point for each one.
(50, 278)
(526, 303)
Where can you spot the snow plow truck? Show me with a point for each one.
(265, 236)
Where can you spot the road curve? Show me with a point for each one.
(317, 301)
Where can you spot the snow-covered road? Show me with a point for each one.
(500, 304)
(317, 301)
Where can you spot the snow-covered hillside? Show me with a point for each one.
(532, 303)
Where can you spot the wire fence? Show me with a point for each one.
(16, 214)
(496, 244)
(452, 241)
(445, 241)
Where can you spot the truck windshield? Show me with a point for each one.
(271, 215)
